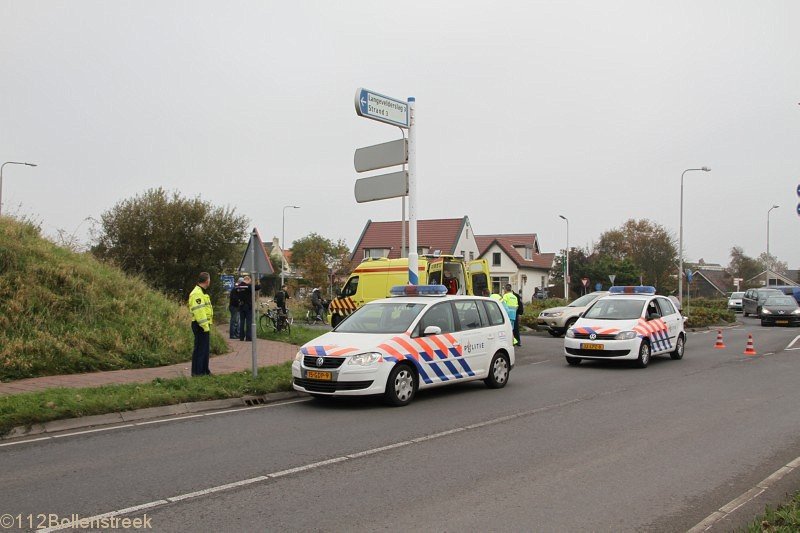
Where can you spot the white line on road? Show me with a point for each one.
(320, 464)
(792, 344)
(731, 506)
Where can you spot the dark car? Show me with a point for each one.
(753, 299)
(780, 310)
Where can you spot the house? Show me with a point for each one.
(443, 236)
(770, 278)
(516, 259)
(709, 280)
(274, 250)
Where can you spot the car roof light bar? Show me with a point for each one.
(418, 290)
(632, 289)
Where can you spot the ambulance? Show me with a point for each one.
(374, 278)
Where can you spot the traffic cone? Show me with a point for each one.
(719, 344)
(749, 350)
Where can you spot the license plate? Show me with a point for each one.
(314, 374)
(585, 346)
(781, 321)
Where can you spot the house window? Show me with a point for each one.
(498, 282)
(472, 256)
(525, 251)
(496, 259)
(375, 252)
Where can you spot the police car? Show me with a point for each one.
(631, 323)
(416, 339)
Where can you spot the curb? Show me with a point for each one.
(145, 414)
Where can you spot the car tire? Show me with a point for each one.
(764, 323)
(573, 361)
(499, 371)
(569, 324)
(335, 319)
(401, 387)
(758, 311)
(644, 355)
(554, 333)
(680, 345)
(744, 313)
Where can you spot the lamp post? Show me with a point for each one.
(680, 239)
(566, 265)
(768, 212)
(1, 177)
(283, 243)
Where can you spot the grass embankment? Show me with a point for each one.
(63, 312)
(299, 334)
(784, 519)
(55, 404)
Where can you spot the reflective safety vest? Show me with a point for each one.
(200, 307)
(511, 303)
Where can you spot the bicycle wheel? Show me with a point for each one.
(263, 323)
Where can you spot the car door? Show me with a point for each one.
(438, 355)
(672, 319)
(472, 333)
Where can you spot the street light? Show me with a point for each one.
(1, 177)
(680, 241)
(768, 212)
(566, 267)
(283, 241)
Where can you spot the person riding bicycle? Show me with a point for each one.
(317, 303)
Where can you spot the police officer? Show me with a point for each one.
(511, 303)
(246, 308)
(202, 315)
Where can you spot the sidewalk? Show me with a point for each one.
(269, 353)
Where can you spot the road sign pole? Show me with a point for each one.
(413, 257)
(253, 330)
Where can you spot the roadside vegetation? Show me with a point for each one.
(783, 519)
(65, 312)
(60, 403)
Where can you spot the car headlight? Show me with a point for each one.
(796, 311)
(570, 334)
(298, 356)
(766, 312)
(556, 315)
(625, 335)
(364, 359)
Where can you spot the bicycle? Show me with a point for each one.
(275, 320)
(312, 318)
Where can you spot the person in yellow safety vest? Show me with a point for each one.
(510, 302)
(202, 319)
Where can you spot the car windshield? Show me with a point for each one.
(737, 295)
(389, 317)
(615, 309)
(781, 300)
(584, 300)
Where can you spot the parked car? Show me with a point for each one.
(735, 302)
(558, 320)
(780, 310)
(753, 299)
(790, 290)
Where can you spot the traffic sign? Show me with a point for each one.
(798, 190)
(381, 155)
(262, 264)
(382, 108)
(689, 275)
(585, 282)
(598, 286)
(227, 282)
(382, 187)
(612, 277)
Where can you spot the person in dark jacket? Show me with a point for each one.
(245, 308)
(520, 309)
(280, 299)
(233, 307)
(317, 303)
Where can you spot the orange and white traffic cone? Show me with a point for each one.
(719, 344)
(749, 350)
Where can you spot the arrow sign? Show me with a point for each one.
(375, 106)
(382, 187)
(381, 155)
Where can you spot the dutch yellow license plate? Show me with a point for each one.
(585, 346)
(315, 374)
(781, 321)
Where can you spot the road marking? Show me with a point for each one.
(731, 506)
(321, 464)
(149, 422)
(792, 344)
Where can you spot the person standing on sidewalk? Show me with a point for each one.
(280, 299)
(511, 304)
(233, 308)
(246, 309)
(202, 319)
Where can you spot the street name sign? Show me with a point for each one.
(382, 187)
(375, 106)
(382, 155)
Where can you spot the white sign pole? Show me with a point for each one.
(413, 257)
(253, 330)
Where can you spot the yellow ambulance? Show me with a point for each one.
(374, 278)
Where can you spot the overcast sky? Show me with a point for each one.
(525, 110)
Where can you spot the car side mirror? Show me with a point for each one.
(432, 330)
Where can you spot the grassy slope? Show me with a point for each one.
(63, 312)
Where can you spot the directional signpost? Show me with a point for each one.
(376, 106)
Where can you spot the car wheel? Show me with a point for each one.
(569, 324)
(554, 333)
(677, 353)
(744, 313)
(644, 355)
(335, 319)
(573, 361)
(401, 387)
(764, 323)
(498, 371)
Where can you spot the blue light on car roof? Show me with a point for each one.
(632, 289)
(418, 290)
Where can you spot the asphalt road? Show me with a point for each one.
(599, 447)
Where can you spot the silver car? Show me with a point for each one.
(558, 320)
(735, 302)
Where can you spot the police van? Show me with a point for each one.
(419, 338)
(374, 278)
(631, 323)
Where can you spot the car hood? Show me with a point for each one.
(605, 327)
(335, 344)
(787, 309)
(552, 310)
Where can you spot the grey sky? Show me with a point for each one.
(526, 110)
